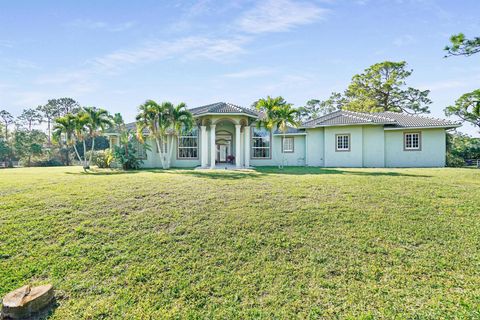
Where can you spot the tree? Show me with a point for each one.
(467, 108)
(460, 46)
(28, 143)
(279, 115)
(316, 108)
(181, 119)
(164, 122)
(49, 112)
(63, 132)
(98, 120)
(381, 87)
(7, 120)
(64, 106)
(30, 118)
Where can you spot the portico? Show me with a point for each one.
(224, 134)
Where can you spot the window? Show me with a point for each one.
(260, 143)
(287, 145)
(113, 141)
(411, 141)
(140, 150)
(188, 144)
(342, 142)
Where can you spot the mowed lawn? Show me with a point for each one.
(293, 243)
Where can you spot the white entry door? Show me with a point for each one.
(223, 153)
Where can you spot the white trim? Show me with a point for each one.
(290, 134)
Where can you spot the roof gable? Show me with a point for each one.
(223, 108)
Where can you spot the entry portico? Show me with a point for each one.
(224, 134)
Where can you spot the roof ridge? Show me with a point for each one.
(423, 116)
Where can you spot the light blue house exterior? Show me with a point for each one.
(228, 135)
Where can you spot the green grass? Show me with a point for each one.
(292, 243)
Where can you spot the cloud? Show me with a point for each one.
(279, 15)
(249, 73)
(404, 40)
(447, 84)
(188, 48)
(101, 25)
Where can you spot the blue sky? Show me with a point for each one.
(116, 54)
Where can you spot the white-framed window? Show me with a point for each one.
(288, 145)
(342, 142)
(188, 144)
(411, 141)
(261, 143)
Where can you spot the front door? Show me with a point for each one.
(222, 153)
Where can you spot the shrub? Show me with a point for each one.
(103, 159)
(454, 161)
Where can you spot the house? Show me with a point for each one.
(229, 133)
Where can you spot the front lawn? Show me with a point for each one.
(292, 243)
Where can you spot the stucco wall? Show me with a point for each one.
(315, 147)
(352, 158)
(373, 147)
(432, 153)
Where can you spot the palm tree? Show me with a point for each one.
(278, 114)
(155, 118)
(97, 119)
(180, 119)
(65, 126)
(80, 132)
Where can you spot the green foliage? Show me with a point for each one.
(461, 147)
(163, 122)
(278, 113)
(126, 156)
(467, 108)
(316, 108)
(63, 106)
(461, 46)
(30, 118)
(301, 243)
(28, 144)
(103, 158)
(5, 151)
(382, 87)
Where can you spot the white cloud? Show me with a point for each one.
(96, 25)
(189, 48)
(249, 73)
(404, 40)
(280, 15)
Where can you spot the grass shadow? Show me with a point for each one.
(220, 174)
(106, 172)
(322, 171)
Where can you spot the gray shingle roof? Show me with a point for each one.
(389, 119)
(342, 117)
(404, 120)
(223, 107)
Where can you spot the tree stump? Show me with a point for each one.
(26, 301)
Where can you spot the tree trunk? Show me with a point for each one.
(85, 164)
(49, 132)
(160, 151)
(91, 152)
(170, 150)
(76, 152)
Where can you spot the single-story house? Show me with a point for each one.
(227, 133)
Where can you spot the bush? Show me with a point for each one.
(47, 163)
(103, 159)
(454, 161)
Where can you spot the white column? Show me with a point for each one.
(213, 147)
(237, 145)
(204, 141)
(247, 146)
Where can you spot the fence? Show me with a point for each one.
(473, 162)
(5, 164)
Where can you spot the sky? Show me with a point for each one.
(116, 54)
